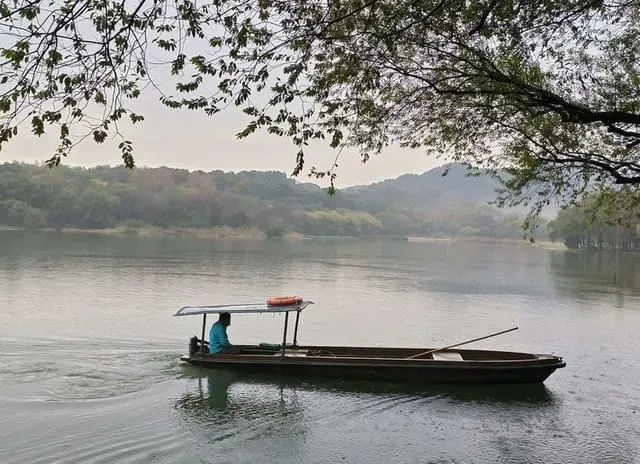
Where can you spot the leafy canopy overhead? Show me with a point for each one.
(549, 90)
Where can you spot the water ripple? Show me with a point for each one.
(81, 370)
(90, 369)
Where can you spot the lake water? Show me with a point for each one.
(90, 369)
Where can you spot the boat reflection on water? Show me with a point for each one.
(242, 416)
(226, 392)
(229, 391)
(315, 420)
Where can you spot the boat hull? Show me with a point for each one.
(391, 365)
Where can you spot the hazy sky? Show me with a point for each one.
(186, 139)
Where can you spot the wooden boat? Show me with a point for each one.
(414, 365)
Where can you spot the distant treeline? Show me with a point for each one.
(577, 227)
(103, 197)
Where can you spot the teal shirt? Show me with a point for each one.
(218, 339)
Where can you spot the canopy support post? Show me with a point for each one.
(295, 330)
(284, 336)
(204, 323)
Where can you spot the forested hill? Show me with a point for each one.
(103, 197)
(431, 190)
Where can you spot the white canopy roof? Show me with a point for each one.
(241, 308)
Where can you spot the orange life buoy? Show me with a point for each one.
(284, 301)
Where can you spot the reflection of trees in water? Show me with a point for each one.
(586, 272)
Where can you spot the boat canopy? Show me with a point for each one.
(241, 308)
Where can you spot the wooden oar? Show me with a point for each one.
(462, 343)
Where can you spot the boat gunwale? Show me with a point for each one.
(276, 358)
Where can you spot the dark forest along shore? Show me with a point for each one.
(250, 205)
(91, 367)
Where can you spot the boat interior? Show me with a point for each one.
(371, 352)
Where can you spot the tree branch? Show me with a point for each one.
(483, 19)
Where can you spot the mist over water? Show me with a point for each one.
(90, 370)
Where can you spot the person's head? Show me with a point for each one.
(225, 318)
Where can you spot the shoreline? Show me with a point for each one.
(253, 234)
(213, 233)
(498, 241)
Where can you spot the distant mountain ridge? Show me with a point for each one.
(433, 191)
(429, 190)
(434, 179)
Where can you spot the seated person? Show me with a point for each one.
(218, 340)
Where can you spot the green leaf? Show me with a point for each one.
(5, 105)
(99, 135)
(55, 57)
(177, 65)
(37, 125)
(136, 118)
(169, 45)
(337, 138)
(29, 13)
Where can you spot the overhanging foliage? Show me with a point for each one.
(548, 90)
